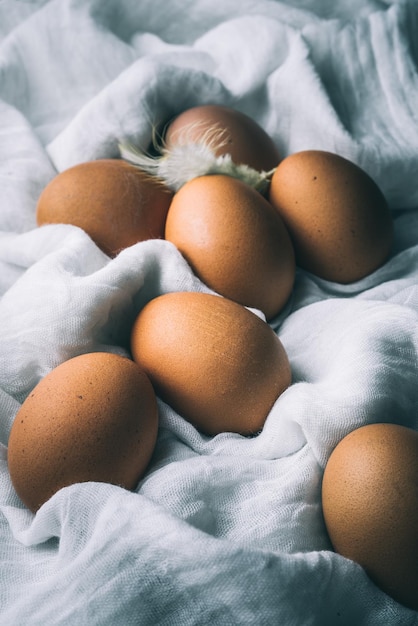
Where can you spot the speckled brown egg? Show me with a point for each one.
(234, 241)
(212, 360)
(114, 202)
(337, 216)
(370, 505)
(227, 131)
(92, 418)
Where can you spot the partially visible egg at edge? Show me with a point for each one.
(370, 505)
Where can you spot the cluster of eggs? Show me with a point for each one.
(208, 356)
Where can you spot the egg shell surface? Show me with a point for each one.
(234, 241)
(370, 505)
(92, 418)
(337, 216)
(212, 360)
(227, 131)
(114, 202)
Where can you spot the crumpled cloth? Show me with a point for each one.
(225, 530)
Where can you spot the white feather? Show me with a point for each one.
(185, 161)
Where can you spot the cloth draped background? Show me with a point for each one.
(224, 530)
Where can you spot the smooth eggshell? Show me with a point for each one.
(114, 202)
(234, 241)
(370, 505)
(337, 216)
(212, 360)
(228, 131)
(92, 418)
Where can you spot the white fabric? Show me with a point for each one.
(228, 530)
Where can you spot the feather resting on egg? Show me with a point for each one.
(181, 163)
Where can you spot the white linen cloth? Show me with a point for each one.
(225, 530)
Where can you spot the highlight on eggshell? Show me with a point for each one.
(370, 505)
(114, 202)
(92, 418)
(216, 363)
(337, 216)
(234, 241)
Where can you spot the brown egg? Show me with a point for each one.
(234, 241)
(212, 360)
(370, 505)
(228, 131)
(114, 202)
(338, 218)
(92, 418)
